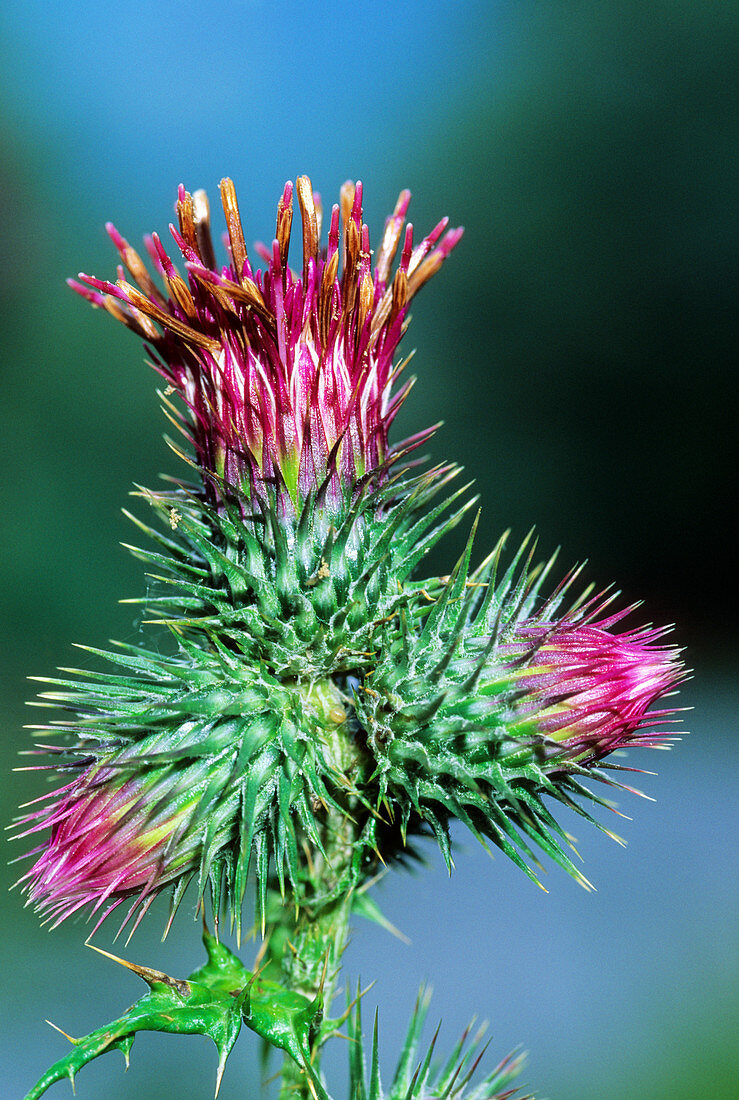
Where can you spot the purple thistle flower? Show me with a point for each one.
(116, 835)
(588, 690)
(288, 376)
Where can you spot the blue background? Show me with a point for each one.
(577, 346)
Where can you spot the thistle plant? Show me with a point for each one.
(323, 703)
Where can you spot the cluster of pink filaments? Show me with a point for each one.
(588, 690)
(111, 837)
(289, 377)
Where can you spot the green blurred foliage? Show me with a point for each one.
(582, 341)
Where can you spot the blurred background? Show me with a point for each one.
(576, 346)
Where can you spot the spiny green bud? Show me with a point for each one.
(194, 766)
(496, 700)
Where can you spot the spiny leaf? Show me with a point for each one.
(417, 1076)
(212, 1001)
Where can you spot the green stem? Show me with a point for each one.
(307, 940)
(311, 965)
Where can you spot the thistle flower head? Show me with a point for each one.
(287, 376)
(497, 699)
(190, 767)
